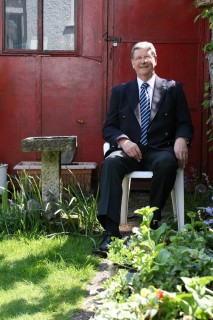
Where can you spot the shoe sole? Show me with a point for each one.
(100, 253)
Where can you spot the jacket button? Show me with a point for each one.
(166, 133)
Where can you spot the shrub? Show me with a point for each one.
(160, 274)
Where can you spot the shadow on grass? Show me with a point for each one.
(33, 269)
(20, 307)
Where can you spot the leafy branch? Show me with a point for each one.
(207, 13)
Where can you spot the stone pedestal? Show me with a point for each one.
(51, 175)
(50, 148)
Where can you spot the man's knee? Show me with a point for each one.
(166, 164)
(110, 163)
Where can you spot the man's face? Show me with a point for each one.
(144, 63)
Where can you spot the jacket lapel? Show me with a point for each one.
(158, 94)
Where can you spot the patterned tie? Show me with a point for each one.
(145, 112)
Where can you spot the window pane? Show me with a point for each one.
(59, 25)
(21, 24)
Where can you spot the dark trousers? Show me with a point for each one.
(164, 165)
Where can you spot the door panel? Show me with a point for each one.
(178, 43)
(18, 99)
(73, 107)
(156, 20)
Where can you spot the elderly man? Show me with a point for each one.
(148, 127)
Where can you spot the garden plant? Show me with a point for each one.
(161, 274)
(22, 209)
(207, 14)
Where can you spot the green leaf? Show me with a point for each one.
(157, 234)
(191, 282)
(208, 47)
(206, 104)
(163, 257)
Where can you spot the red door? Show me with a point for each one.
(47, 93)
(178, 41)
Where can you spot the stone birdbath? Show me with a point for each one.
(50, 148)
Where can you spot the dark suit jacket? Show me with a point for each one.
(170, 117)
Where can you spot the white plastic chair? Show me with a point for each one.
(177, 193)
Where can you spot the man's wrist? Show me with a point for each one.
(187, 141)
(122, 140)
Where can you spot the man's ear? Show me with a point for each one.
(156, 60)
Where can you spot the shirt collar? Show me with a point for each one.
(151, 82)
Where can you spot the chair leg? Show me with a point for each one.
(174, 205)
(177, 195)
(125, 200)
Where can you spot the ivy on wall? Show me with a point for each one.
(207, 13)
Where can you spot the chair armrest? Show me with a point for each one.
(106, 147)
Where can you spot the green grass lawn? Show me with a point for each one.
(44, 278)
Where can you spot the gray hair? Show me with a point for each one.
(143, 45)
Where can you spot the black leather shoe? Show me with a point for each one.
(154, 224)
(104, 246)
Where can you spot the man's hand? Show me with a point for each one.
(131, 149)
(181, 151)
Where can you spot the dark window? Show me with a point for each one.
(47, 25)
